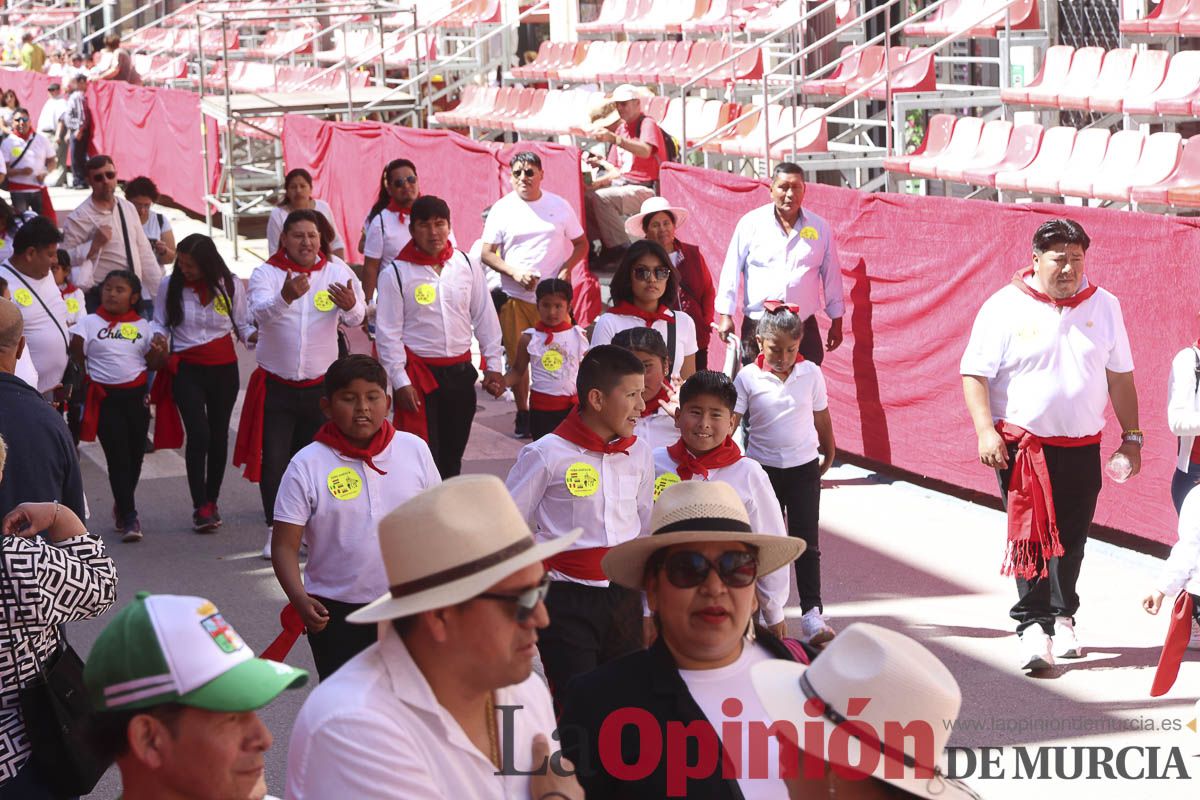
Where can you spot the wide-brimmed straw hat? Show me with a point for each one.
(697, 511)
(650, 207)
(451, 543)
(902, 682)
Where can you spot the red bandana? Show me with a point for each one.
(574, 431)
(281, 260)
(332, 436)
(761, 363)
(415, 255)
(200, 288)
(653, 404)
(775, 306)
(1069, 302)
(551, 330)
(396, 208)
(649, 317)
(128, 316)
(67, 288)
(687, 465)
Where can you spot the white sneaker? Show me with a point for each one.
(1066, 644)
(1035, 649)
(266, 551)
(1194, 642)
(814, 629)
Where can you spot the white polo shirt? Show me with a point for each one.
(384, 235)
(299, 341)
(560, 486)
(433, 315)
(657, 430)
(45, 336)
(1046, 366)
(118, 355)
(554, 367)
(781, 433)
(537, 235)
(796, 267)
(202, 324)
(339, 501)
(374, 730)
(609, 325)
(39, 149)
(754, 487)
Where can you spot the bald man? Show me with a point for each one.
(42, 465)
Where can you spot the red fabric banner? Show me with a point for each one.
(916, 271)
(30, 88)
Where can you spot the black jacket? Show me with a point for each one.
(42, 465)
(647, 680)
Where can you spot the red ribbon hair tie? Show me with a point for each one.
(775, 306)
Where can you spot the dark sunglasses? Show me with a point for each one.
(687, 569)
(103, 176)
(523, 173)
(647, 274)
(396, 184)
(20, 119)
(526, 602)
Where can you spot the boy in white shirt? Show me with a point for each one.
(590, 473)
(333, 494)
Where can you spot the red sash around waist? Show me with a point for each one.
(540, 401)
(581, 564)
(96, 392)
(247, 450)
(417, 367)
(168, 426)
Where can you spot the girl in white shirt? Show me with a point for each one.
(783, 399)
(297, 194)
(117, 346)
(656, 426)
(385, 230)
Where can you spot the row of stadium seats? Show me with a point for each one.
(1121, 167)
(160, 69)
(955, 15)
(700, 16)
(1169, 18)
(184, 40)
(252, 76)
(641, 62)
(912, 71)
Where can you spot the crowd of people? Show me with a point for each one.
(476, 637)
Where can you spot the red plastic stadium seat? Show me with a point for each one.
(721, 16)
(1023, 147)
(1186, 173)
(612, 13)
(993, 144)
(631, 65)
(1091, 144)
(1049, 79)
(1114, 71)
(1166, 11)
(1115, 174)
(668, 16)
(937, 136)
(846, 67)
(935, 18)
(1046, 166)
(917, 74)
(747, 67)
(963, 143)
(800, 130)
(529, 71)
(896, 57)
(1160, 26)
(1148, 73)
(1181, 82)
(1085, 69)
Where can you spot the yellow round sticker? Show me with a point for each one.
(72, 305)
(16, 151)
(425, 293)
(809, 232)
(323, 301)
(129, 331)
(582, 479)
(23, 297)
(221, 305)
(344, 483)
(663, 481)
(552, 361)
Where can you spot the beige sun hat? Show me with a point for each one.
(903, 684)
(697, 511)
(650, 207)
(451, 543)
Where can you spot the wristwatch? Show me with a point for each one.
(1134, 436)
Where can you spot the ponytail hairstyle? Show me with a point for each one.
(213, 273)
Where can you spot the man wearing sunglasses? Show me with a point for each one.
(28, 157)
(530, 235)
(698, 568)
(445, 704)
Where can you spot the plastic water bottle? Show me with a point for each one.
(1119, 467)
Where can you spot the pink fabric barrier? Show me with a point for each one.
(346, 159)
(30, 88)
(916, 270)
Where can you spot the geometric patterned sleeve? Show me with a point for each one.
(70, 581)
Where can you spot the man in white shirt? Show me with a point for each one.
(530, 235)
(105, 217)
(786, 253)
(50, 125)
(1047, 352)
(445, 704)
(28, 156)
(35, 251)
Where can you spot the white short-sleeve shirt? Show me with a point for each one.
(537, 235)
(39, 149)
(609, 325)
(553, 367)
(780, 413)
(45, 336)
(115, 355)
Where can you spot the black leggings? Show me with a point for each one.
(205, 396)
(339, 641)
(449, 412)
(291, 418)
(121, 429)
(799, 492)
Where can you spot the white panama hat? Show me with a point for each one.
(651, 206)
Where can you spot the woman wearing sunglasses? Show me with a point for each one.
(698, 569)
(644, 289)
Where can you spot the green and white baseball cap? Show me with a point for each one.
(165, 648)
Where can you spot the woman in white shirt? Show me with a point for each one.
(142, 192)
(297, 194)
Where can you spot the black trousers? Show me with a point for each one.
(340, 640)
(79, 157)
(701, 359)
(1182, 483)
(589, 625)
(26, 201)
(205, 396)
(121, 429)
(291, 418)
(811, 346)
(543, 422)
(799, 492)
(1075, 483)
(449, 412)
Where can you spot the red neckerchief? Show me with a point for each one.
(775, 306)
(551, 330)
(281, 261)
(653, 404)
(649, 317)
(687, 464)
(415, 255)
(23, 138)
(395, 208)
(761, 363)
(128, 316)
(574, 431)
(331, 436)
(1069, 302)
(68, 288)
(200, 288)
